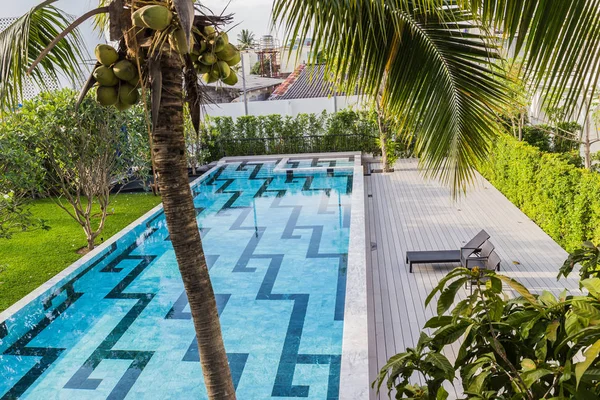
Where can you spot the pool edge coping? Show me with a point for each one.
(56, 279)
(354, 374)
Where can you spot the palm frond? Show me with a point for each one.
(101, 21)
(437, 79)
(24, 40)
(434, 79)
(560, 41)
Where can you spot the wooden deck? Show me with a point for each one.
(405, 212)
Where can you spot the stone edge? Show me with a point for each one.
(354, 378)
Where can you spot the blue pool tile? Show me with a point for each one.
(120, 326)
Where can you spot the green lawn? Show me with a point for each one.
(30, 258)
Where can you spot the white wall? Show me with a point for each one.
(285, 107)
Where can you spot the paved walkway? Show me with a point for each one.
(405, 212)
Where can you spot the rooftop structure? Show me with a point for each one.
(307, 81)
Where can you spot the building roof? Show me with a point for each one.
(307, 81)
(253, 82)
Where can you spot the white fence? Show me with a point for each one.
(285, 107)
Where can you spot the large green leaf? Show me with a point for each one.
(450, 333)
(531, 377)
(591, 354)
(440, 361)
(592, 285)
(586, 310)
(442, 283)
(519, 288)
(449, 294)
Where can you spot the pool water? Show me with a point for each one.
(119, 326)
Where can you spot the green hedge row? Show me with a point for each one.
(562, 199)
(275, 134)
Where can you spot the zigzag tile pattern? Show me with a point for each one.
(120, 327)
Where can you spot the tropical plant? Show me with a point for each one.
(84, 153)
(21, 177)
(587, 257)
(246, 40)
(35, 43)
(431, 65)
(529, 347)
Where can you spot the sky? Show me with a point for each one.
(249, 14)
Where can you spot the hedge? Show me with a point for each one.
(562, 199)
(275, 134)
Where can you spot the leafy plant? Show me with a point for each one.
(588, 257)
(345, 130)
(75, 156)
(561, 198)
(529, 347)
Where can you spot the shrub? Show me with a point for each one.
(561, 198)
(306, 133)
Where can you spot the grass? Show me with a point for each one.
(30, 258)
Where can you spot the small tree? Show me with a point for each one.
(85, 153)
(246, 40)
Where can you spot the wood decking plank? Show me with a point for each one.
(407, 212)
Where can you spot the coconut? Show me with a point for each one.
(136, 19)
(107, 95)
(203, 47)
(135, 81)
(210, 32)
(105, 76)
(235, 60)
(122, 106)
(219, 43)
(203, 69)
(128, 94)
(124, 70)
(223, 69)
(225, 37)
(106, 54)
(178, 42)
(155, 17)
(231, 80)
(208, 58)
(211, 76)
(227, 53)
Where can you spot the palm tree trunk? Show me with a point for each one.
(382, 139)
(168, 146)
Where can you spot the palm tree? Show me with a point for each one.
(246, 40)
(38, 33)
(433, 69)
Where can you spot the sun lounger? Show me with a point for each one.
(447, 256)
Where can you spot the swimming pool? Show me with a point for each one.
(119, 326)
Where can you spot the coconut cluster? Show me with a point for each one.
(117, 79)
(213, 56)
